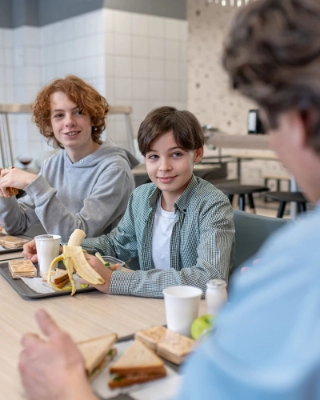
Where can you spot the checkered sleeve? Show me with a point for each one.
(120, 242)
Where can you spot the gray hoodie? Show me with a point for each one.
(90, 194)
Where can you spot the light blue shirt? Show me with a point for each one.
(266, 345)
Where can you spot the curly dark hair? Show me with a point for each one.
(273, 56)
(186, 129)
(83, 95)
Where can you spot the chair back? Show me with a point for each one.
(251, 232)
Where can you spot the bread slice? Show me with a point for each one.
(59, 277)
(97, 351)
(151, 336)
(22, 268)
(168, 344)
(137, 364)
(12, 242)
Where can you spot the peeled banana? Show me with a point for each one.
(74, 260)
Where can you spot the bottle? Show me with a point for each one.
(216, 295)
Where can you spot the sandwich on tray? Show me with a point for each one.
(12, 242)
(11, 190)
(167, 344)
(59, 278)
(137, 364)
(97, 352)
(22, 268)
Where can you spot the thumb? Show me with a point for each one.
(46, 323)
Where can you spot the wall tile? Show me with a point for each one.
(156, 47)
(108, 20)
(139, 46)
(172, 29)
(139, 24)
(155, 27)
(123, 67)
(139, 89)
(172, 70)
(123, 89)
(122, 44)
(139, 67)
(172, 49)
(156, 69)
(122, 22)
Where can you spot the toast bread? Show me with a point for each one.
(59, 277)
(12, 242)
(168, 344)
(137, 364)
(22, 268)
(96, 350)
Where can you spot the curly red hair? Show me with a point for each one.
(83, 95)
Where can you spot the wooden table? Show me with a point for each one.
(83, 316)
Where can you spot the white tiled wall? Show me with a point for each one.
(146, 64)
(131, 59)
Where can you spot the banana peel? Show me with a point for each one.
(74, 260)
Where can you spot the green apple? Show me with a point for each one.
(201, 325)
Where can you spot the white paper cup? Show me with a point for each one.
(182, 307)
(47, 250)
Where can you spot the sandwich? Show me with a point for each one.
(12, 242)
(11, 191)
(59, 277)
(137, 364)
(22, 268)
(97, 353)
(167, 344)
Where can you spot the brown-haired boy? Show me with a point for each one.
(179, 226)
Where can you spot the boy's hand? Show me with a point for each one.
(102, 270)
(52, 369)
(16, 178)
(30, 251)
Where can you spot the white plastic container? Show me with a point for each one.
(216, 295)
(47, 250)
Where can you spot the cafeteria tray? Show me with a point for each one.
(3, 250)
(26, 292)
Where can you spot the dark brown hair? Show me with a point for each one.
(273, 56)
(83, 95)
(186, 129)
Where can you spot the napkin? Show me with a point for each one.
(38, 286)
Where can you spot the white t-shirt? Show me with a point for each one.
(162, 230)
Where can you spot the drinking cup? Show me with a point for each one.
(182, 307)
(47, 250)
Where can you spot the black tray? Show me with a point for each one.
(3, 250)
(27, 293)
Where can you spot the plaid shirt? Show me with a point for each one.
(201, 248)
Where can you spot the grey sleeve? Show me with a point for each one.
(105, 204)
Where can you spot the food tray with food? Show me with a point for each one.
(10, 244)
(127, 355)
(26, 292)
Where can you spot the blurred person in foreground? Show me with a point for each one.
(87, 179)
(266, 342)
